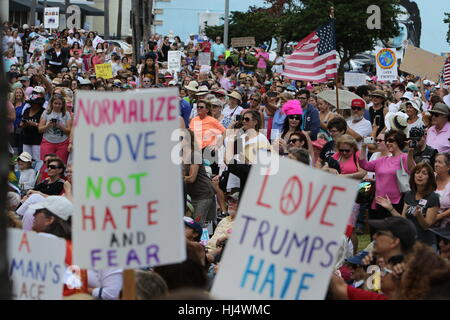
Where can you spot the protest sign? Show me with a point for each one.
(354, 79)
(103, 71)
(39, 43)
(36, 265)
(205, 69)
(128, 190)
(174, 61)
(386, 61)
(96, 41)
(204, 59)
(51, 18)
(243, 42)
(422, 63)
(286, 234)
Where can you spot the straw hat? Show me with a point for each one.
(202, 90)
(235, 95)
(440, 108)
(192, 86)
(399, 122)
(378, 93)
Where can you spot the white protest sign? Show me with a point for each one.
(354, 79)
(36, 265)
(174, 61)
(204, 59)
(205, 69)
(128, 190)
(96, 41)
(51, 18)
(387, 68)
(39, 43)
(286, 234)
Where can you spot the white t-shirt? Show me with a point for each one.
(229, 115)
(362, 127)
(27, 179)
(278, 68)
(116, 67)
(110, 280)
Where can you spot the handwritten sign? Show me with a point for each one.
(174, 61)
(422, 63)
(243, 42)
(286, 234)
(39, 43)
(386, 61)
(36, 265)
(51, 18)
(354, 79)
(104, 71)
(128, 191)
(204, 59)
(96, 41)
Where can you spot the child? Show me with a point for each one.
(27, 174)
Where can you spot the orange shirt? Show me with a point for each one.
(206, 130)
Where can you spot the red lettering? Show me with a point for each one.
(119, 108)
(86, 217)
(152, 109)
(132, 112)
(329, 204)
(151, 211)
(161, 100)
(109, 218)
(310, 210)
(81, 110)
(96, 106)
(141, 114)
(172, 110)
(129, 208)
(24, 241)
(105, 110)
(259, 202)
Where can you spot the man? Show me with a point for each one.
(146, 83)
(399, 91)
(443, 235)
(422, 152)
(224, 81)
(363, 92)
(191, 39)
(217, 49)
(439, 134)
(337, 127)
(310, 117)
(378, 110)
(357, 126)
(357, 269)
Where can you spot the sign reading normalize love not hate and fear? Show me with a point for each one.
(286, 234)
(36, 265)
(127, 190)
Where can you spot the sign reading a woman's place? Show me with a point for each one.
(386, 61)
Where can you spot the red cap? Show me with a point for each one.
(358, 103)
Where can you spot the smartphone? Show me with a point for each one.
(54, 120)
(238, 117)
(377, 120)
(413, 144)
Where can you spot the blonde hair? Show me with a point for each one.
(347, 139)
(12, 97)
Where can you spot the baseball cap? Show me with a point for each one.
(358, 103)
(25, 156)
(400, 227)
(358, 258)
(189, 222)
(441, 232)
(39, 89)
(57, 205)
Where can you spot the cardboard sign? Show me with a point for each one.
(51, 18)
(286, 234)
(243, 42)
(36, 265)
(174, 61)
(204, 59)
(96, 41)
(386, 61)
(422, 63)
(354, 79)
(128, 189)
(104, 70)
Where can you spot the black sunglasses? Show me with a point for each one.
(293, 117)
(294, 141)
(379, 140)
(356, 108)
(247, 119)
(201, 107)
(345, 150)
(53, 167)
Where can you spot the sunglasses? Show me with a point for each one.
(303, 98)
(345, 150)
(435, 115)
(247, 119)
(379, 140)
(252, 99)
(294, 141)
(294, 117)
(390, 140)
(53, 167)
(201, 107)
(356, 109)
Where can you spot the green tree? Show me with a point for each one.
(447, 20)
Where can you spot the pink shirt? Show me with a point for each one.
(261, 62)
(350, 166)
(439, 140)
(385, 169)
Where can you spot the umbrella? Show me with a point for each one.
(345, 98)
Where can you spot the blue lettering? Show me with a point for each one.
(112, 255)
(302, 284)
(247, 219)
(270, 278)
(298, 244)
(92, 157)
(134, 151)
(272, 241)
(147, 145)
(16, 266)
(255, 273)
(56, 273)
(107, 147)
(41, 273)
(287, 282)
(330, 254)
(30, 271)
(315, 247)
(264, 227)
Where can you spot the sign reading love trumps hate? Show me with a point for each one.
(36, 265)
(286, 234)
(127, 190)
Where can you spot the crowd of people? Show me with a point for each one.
(394, 140)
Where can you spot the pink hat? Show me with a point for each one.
(292, 107)
(309, 86)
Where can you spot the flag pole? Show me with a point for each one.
(337, 74)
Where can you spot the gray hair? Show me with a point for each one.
(13, 200)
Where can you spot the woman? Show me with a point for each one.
(99, 57)
(442, 169)
(254, 141)
(386, 172)
(125, 63)
(216, 108)
(421, 203)
(255, 104)
(75, 48)
(293, 121)
(412, 111)
(56, 124)
(57, 58)
(78, 39)
(30, 126)
(9, 59)
(18, 46)
(299, 139)
(325, 116)
(381, 152)
(37, 59)
(88, 52)
(150, 70)
(18, 101)
(232, 109)
(74, 85)
(205, 127)
(198, 184)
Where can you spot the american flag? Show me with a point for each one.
(446, 74)
(314, 58)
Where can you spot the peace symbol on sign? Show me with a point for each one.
(291, 197)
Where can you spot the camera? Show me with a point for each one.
(368, 140)
(54, 120)
(413, 144)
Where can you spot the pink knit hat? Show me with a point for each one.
(292, 107)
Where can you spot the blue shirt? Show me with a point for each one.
(185, 111)
(311, 121)
(217, 50)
